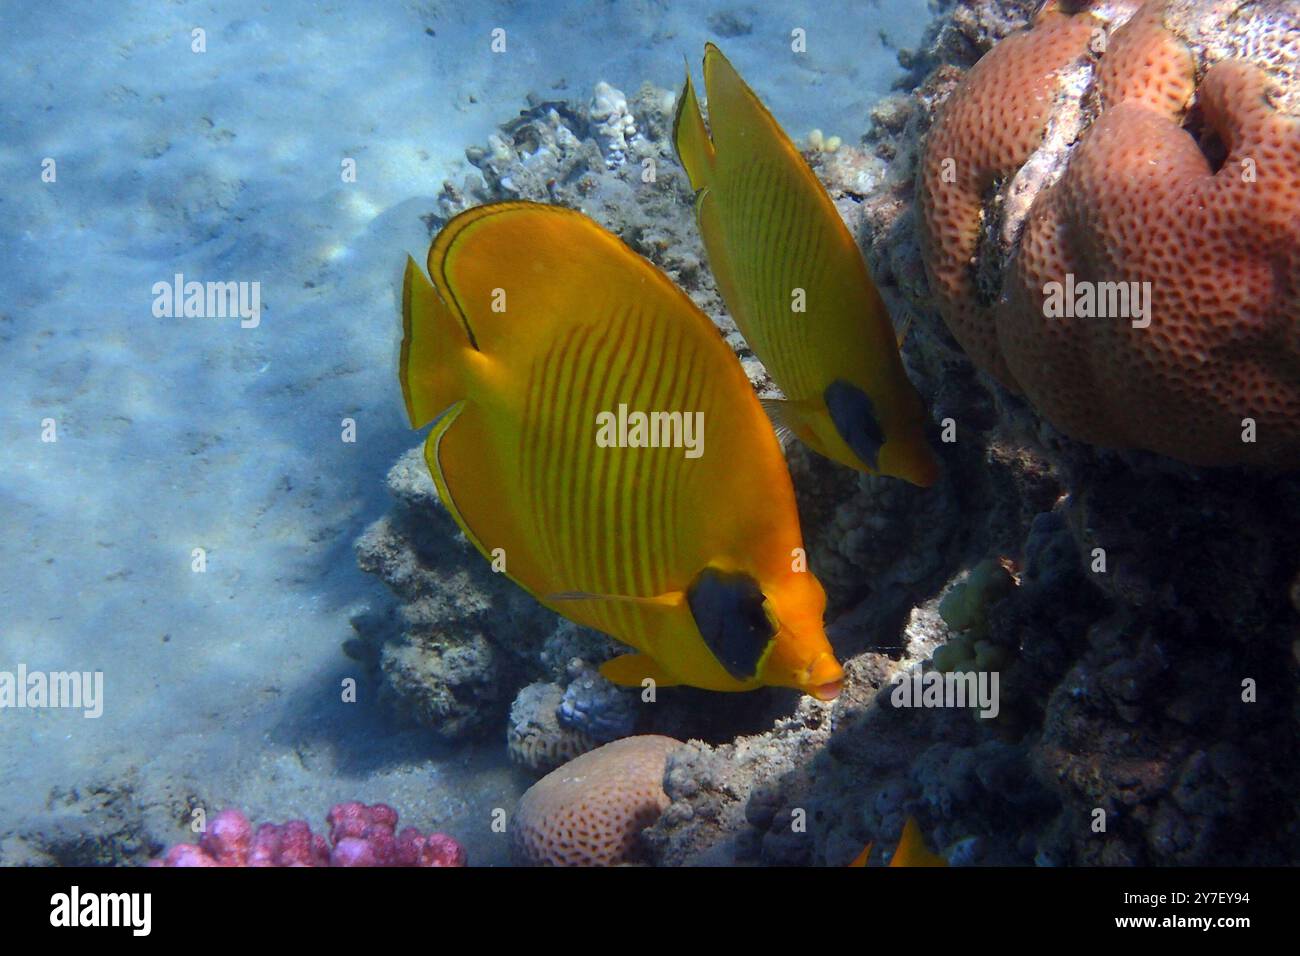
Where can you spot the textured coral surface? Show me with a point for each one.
(591, 811)
(989, 128)
(1184, 190)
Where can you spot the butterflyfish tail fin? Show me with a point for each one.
(691, 138)
(430, 334)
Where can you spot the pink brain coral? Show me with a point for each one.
(1206, 232)
(989, 128)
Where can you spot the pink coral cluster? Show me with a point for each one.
(360, 835)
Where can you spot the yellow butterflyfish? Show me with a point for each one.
(796, 284)
(596, 436)
(911, 850)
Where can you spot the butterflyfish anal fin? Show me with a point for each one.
(433, 456)
(456, 452)
(631, 670)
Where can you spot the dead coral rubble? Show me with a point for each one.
(467, 635)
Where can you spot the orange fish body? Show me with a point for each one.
(796, 285)
(542, 334)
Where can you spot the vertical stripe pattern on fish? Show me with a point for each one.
(796, 284)
(539, 341)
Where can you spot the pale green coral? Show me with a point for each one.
(965, 610)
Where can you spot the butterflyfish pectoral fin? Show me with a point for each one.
(632, 670)
(780, 414)
(670, 600)
(902, 332)
(789, 417)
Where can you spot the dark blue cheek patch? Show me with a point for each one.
(855, 420)
(728, 610)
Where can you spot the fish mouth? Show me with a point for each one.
(827, 691)
(824, 678)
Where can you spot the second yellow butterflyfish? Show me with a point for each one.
(796, 284)
(597, 439)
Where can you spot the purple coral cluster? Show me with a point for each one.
(360, 835)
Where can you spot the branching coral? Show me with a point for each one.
(360, 835)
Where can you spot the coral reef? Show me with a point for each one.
(359, 835)
(965, 609)
(591, 811)
(1151, 596)
(534, 736)
(1134, 709)
(1141, 613)
(1088, 250)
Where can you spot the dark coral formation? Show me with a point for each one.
(1127, 694)
(535, 738)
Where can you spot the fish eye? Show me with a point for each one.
(854, 418)
(734, 617)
